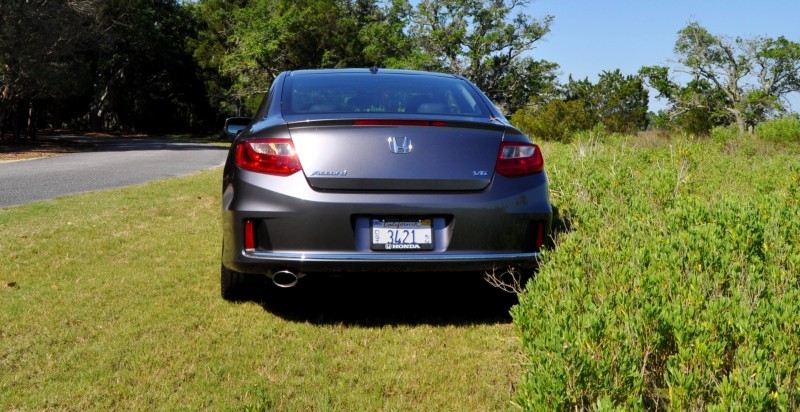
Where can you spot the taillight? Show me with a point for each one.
(268, 155)
(519, 159)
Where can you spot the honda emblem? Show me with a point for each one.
(400, 144)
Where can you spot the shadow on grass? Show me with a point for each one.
(380, 299)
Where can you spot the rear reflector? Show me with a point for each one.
(249, 235)
(538, 231)
(519, 159)
(268, 155)
(398, 123)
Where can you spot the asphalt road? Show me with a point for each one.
(113, 163)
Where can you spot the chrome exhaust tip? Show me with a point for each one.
(285, 279)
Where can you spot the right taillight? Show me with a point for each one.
(268, 155)
(519, 159)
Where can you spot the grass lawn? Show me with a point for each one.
(110, 300)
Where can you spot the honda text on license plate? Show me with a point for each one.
(401, 234)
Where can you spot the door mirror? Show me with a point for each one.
(235, 125)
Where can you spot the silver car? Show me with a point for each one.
(378, 170)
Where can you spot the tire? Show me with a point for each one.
(234, 285)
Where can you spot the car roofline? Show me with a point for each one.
(306, 72)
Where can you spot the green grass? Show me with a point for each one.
(673, 285)
(110, 300)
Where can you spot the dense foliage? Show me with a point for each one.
(484, 42)
(673, 284)
(617, 102)
(43, 58)
(168, 65)
(783, 129)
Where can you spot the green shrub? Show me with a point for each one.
(677, 288)
(722, 134)
(555, 121)
(784, 129)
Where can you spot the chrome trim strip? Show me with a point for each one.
(389, 257)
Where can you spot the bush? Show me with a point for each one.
(668, 293)
(784, 129)
(722, 134)
(555, 121)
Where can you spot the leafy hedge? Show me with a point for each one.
(676, 286)
(783, 129)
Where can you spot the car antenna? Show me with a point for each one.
(373, 69)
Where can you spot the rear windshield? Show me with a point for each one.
(381, 93)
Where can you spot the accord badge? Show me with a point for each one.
(329, 173)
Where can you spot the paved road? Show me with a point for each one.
(114, 163)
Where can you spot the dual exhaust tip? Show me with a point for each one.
(285, 279)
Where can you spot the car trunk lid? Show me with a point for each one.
(391, 155)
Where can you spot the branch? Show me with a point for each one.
(508, 281)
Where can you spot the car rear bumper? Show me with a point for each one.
(256, 262)
(302, 230)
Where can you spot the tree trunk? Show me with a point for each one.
(5, 110)
(740, 123)
(30, 130)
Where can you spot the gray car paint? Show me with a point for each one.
(320, 223)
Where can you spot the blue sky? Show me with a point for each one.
(590, 36)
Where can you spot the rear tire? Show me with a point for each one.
(234, 285)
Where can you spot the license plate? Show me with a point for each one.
(402, 234)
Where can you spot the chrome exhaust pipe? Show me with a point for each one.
(285, 279)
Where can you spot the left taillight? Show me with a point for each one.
(519, 159)
(268, 155)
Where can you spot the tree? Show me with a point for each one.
(695, 107)
(481, 41)
(43, 45)
(146, 78)
(555, 120)
(617, 102)
(746, 78)
(215, 28)
(99, 64)
(386, 43)
(270, 36)
(620, 102)
(243, 45)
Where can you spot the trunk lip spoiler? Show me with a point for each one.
(406, 121)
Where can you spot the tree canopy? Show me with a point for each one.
(160, 65)
(43, 45)
(172, 65)
(484, 42)
(737, 80)
(101, 65)
(617, 102)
